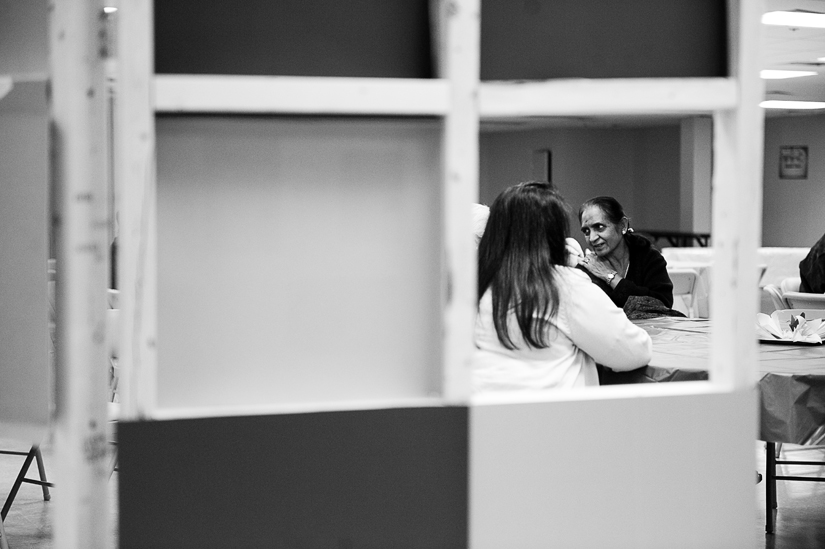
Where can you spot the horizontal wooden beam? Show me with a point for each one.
(300, 95)
(627, 96)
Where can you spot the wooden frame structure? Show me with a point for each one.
(459, 99)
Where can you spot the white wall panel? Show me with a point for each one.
(26, 382)
(299, 260)
(651, 472)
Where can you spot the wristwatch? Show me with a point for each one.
(611, 276)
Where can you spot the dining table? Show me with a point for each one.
(791, 387)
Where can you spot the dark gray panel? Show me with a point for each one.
(356, 479)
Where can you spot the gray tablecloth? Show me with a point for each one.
(791, 377)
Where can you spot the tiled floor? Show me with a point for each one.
(29, 522)
(800, 519)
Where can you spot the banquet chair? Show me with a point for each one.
(802, 300)
(684, 286)
(790, 284)
(775, 294)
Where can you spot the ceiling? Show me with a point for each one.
(794, 49)
(782, 48)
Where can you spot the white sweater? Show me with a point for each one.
(588, 328)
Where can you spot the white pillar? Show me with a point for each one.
(695, 182)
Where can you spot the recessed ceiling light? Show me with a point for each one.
(109, 9)
(796, 105)
(780, 74)
(794, 19)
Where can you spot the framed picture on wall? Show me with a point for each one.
(793, 162)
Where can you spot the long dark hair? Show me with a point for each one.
(523, 241)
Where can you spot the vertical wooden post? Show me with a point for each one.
(737, 207)
(135, 190)
(459, 28)
(78, 141)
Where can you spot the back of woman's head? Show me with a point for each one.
(523, 241)
(607, 204)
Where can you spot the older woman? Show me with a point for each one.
(621, 263)
(541, 324)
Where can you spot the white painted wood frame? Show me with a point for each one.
(136, 197)
(457, 35)
(78, 141)
(732, 101)
(460, 31)
(737, 207)
(550, 481)
(181, 93)
(610, 96)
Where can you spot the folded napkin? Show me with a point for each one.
(798, 329)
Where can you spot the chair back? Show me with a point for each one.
(790, 284)
(684, 286)
(776, 297)
(802, 300)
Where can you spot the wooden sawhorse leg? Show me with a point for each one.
(4, 542)
(33, 455)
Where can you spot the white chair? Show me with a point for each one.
(790, 284)
(802, 300)
(684, 286)
(776, 297)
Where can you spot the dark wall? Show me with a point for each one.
(359, 38)
(370, 479)
(520, 39)
(540, 39)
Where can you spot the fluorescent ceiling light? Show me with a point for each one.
(780, 74)
(109, 9)
(794, 19)
(795, 105)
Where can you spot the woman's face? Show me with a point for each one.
(601, 235)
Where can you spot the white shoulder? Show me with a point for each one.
(573, 245)
(572, 275)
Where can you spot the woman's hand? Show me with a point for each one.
(596, 266)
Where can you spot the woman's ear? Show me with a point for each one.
(625, 225)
